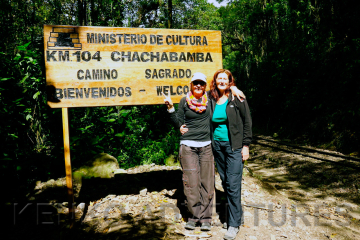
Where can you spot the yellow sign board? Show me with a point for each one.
(107, 66)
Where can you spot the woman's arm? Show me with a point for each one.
(247, 128)
(238, 93)
(168, 102)
(247, 122)
(176, 117)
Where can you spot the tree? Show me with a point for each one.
(291, 56)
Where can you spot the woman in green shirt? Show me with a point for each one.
(231, 138)
(231, 135)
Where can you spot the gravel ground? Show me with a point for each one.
(287, 193)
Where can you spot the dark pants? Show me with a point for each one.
(198, 178)
(230, 167)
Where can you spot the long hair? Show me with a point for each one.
(215, 93)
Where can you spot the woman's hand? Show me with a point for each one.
(168, 101)
(245, 153)
(238, 93)
(183, 129)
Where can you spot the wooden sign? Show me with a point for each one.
(107, 66)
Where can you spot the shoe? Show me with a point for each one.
(205, 226)
(231, 233)
(190, 225)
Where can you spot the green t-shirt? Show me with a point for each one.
(219, 120)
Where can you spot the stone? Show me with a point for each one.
(119, 171)
(247, 214)
(246, 193)
(50, 183)
(263, 222)
(178, 217)
(81, 206)
(101, 165)
(38, 185)
(132, 199)
(170, 193)
(143, 192)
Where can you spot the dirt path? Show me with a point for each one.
(320, 187)
(287, 193)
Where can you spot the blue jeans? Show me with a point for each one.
(230, 167)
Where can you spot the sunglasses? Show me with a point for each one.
(202, 83)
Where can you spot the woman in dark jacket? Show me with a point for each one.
(231, 135)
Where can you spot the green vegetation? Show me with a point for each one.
(297, 62)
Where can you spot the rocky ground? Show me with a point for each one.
(287, 193)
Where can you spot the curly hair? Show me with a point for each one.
(215, 93)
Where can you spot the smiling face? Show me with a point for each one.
(222, 82)
(198, 88)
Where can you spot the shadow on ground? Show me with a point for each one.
(38, 220)
(299, 175)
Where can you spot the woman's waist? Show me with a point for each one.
(219, 124)
(200, 136)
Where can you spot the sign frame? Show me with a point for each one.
(111, 66)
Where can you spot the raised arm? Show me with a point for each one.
(176, 117)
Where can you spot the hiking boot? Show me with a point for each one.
(205, 226)
(190, 225)
(231, 233)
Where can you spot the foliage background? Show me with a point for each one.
(297, 62)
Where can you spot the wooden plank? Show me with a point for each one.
(69, 182)
(64, 29)
(137, 61)
(74, 35)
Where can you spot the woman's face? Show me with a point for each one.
(222, 81)
(198, 87)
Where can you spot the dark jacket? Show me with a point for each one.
(239, 122)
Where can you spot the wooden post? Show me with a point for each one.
(69, 182)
